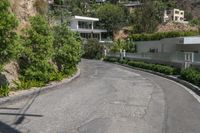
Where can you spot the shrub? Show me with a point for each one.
(191, 75)
(128, 46)
(4, 91)
(67, 48)
(8, 38)
(154, 67)
(56, 76)
(27, 84)
(110, 59)
(160, 35)
(38, 50)
(92, 49)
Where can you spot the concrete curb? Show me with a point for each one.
(192, 87)
(28, 93)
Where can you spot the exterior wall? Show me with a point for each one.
(189, 48)
(192, 40)
(145, 46)
(74, 24)
(169, 45)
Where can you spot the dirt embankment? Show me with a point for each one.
(172, 26)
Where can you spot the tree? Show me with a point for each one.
(92, 49)
(112, 17)
(67, 48)
(147, 18)
(8, 38)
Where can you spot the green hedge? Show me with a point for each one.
(111, 59)
(154, 67)
(161, 35)
(191, 75)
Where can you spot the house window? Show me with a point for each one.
(85, 25)
(176, 18)
(176, 12)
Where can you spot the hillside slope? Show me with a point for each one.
(192, 6)
(23, 9)
(176, 27)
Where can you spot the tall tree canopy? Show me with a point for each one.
(112, 17)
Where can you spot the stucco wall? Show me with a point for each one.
(74, 24)
(145, 46)
(168, 45)
(189, 48)
(192, 40)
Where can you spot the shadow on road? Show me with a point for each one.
(4, 128)
(20, 115)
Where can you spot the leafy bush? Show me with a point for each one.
(67, 48)
(4, 91)
(92, 49)
(110, 59)
(122, 45)
(8, 38)
(154, 67)
(117, 46)
(191, 75)
(38, 50)
(161, 35)
(22, 85)
(56, 76)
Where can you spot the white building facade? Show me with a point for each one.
(170, 45)
(86, 27)
(174, 15)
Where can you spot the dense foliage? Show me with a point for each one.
(92, 49)
(67, 48)
(147, 18)
(160, 35)
(191, 75)
(38, 50)
(112, 17)
(123, 45)
(8, 38)
(154, 67)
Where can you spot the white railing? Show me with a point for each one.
(170, 57)
(176, 57)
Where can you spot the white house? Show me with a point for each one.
(132, 5)
(100, 1)
(86, 27)
(174, 15)
(170, 45)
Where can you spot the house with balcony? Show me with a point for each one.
(100, 1)
(86, 26)
(175, 15)
(132, 5)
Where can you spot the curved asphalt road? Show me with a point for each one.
(106, 98)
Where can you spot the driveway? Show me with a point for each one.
(107, 98)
